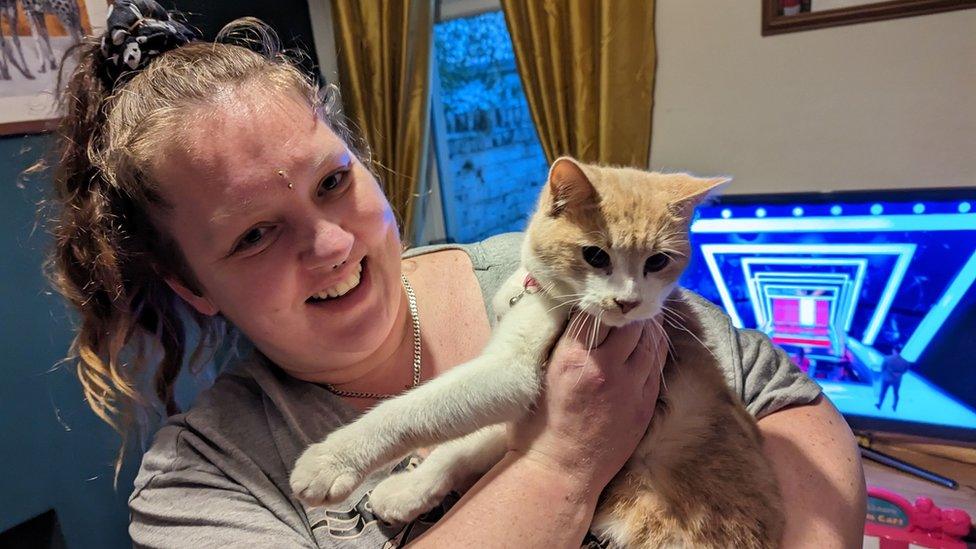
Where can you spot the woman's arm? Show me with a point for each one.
(521, 502)
(818, 467)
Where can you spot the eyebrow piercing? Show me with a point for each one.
(281, 174)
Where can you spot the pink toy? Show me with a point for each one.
(955, 522)
(928, 517)
(894, 523)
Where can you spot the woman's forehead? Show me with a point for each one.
(245, 137)
(235, 150)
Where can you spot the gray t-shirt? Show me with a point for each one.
(217, 475)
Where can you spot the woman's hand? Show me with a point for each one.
(597, 403)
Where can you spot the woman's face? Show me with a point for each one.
(274, 213)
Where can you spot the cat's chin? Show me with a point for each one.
(616, 320)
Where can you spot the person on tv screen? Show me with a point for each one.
(893, 367)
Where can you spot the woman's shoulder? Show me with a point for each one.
(224, 455)
(220, 417)
(501, 251)
(496, 251)
(755, 368)
(253, 418)
(493, 260)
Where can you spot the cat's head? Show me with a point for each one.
(615, 239)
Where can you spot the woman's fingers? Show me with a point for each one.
(582, 331)
(601, 343)
(652, 342)
(646, 361)
(595, 401)
(619, 344)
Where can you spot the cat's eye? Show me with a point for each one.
(596, 257)
(655, 263)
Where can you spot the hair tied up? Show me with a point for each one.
(137, 31)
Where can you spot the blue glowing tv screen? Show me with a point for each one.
(871, 293)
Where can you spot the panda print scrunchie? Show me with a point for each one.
(136, 32)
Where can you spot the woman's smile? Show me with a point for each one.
(347, 295)
(349, 282)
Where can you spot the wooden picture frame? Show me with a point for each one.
(34, 37)
(782, 16)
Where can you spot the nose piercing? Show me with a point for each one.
(334, 267)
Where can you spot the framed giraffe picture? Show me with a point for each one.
(34, 36)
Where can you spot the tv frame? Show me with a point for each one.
(858, 422)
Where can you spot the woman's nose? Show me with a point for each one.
(329, 245)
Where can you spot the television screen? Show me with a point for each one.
(871, 293)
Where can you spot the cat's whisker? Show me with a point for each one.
(596, 333)
(570, 302)
(672, 311)
(667, 336)
(568, 295)
(589, 335)
(671, 320)
(671, 253)
(590, 343)
(583, 318)
(572, 324)
(683, 328)
(678, 253)
(580, 322)
(667, 340)
(670, 315)
(674, 318)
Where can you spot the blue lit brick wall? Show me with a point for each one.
(497, 175)
(495, 165)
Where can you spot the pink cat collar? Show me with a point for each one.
(529, 286)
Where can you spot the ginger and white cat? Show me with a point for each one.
(617, 240)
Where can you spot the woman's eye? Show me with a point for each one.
(331, 183)
(655, 263)
(251, 238)
(596, 257)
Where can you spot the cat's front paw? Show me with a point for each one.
(324, 475)
(403, 497)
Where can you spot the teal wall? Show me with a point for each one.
(56, 453)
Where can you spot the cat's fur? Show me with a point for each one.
(697, 479)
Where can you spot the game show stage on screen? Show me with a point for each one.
(872, 294)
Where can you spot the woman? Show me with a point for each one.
(210, 182)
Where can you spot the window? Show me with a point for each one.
(490, 163)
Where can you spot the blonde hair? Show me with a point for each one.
(109, 260)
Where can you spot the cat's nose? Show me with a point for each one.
(626, 306)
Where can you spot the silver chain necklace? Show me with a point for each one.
(415, 318)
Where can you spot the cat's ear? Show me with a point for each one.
(569, 187)
(691, 191)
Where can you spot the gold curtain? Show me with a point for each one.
(384, 49)
(587, 67)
